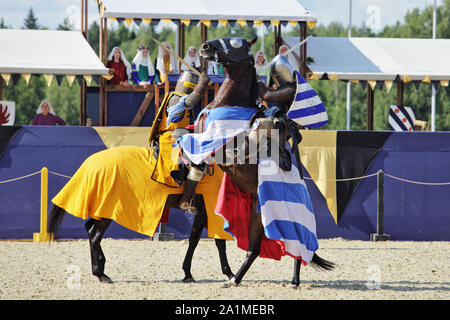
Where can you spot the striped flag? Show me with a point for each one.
(401, 118)
(307, 109)
(286, 210)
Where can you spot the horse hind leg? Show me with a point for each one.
(256, 232)
(221, 247)
(96, 230)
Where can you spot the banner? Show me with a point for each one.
(7, 113)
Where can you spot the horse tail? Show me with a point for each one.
(321, 264)
(55, 219)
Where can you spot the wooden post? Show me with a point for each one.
(380, 235)
(400, 94)
(1, 88)
(370, 107)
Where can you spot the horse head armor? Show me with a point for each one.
(228, 50)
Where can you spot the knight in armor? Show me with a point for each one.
(175, 113)
(283, 75)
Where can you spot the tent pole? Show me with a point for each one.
(370, 104)
(101, 89)
(1, 88)
(400, 94)
(433, 90)
(302, 58)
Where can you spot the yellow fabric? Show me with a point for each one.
(115, 184)
(318, 155)
(123, 136)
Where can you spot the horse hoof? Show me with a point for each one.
(230, 283)
(188, 280)
(105, 279)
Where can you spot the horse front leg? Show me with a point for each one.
(96, 230)
(296, 278)
(256, 232)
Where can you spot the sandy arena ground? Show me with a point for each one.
(145, 269)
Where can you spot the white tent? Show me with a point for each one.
(261, 10)
(378, 58)
(47, 52)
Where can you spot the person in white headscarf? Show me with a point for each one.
(289, 56)
(165, 63)
(143, 71)
(46, 116)
(191, 59)
(261, 66)
(121, 68)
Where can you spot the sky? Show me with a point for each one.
(374, 13)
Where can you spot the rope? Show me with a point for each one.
(20, 178)
(59, 174)
(419, 182)
(344, 179)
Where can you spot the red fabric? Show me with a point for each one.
(234, 205)
(120, 72)
(165, 216)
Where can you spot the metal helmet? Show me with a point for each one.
(281, 71)
(187, 82)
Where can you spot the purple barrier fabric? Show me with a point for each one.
(412, 211)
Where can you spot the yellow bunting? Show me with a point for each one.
(258, 23)
(48, 78)
(128, 21)
(186, 22)
(26, 76)
(242, 23)
(166, 20)
(108, 76)
(206, 22)
(146, 20)
(88, 79)
(444, 83)
(311, 24)
(372, 83)
(354, 81)
(406, 78)
(223, 22)
(293, 23)
(388, 85)
(6, 77)
(112, 18)
(276, 23)
(334, 76)
(314, 76)
(427, 79)
(70, 78)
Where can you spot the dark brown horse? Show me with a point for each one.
(240, 89)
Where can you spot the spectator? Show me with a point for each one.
(215, 68)
(121, 68)
(165, 63)
(191, 59)
(143, 71)
(261, 66)
(45, 116)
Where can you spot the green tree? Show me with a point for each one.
(31, 21)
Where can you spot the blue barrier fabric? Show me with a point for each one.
(412, 211)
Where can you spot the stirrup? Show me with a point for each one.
(184, 205)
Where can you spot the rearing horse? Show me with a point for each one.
(240, 89)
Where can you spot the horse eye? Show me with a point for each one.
(236, 42)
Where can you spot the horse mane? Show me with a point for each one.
(236, 89)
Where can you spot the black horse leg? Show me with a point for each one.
(96, 230)
(199, 223)
(296, 279)
(256, 232)
(222, 247)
